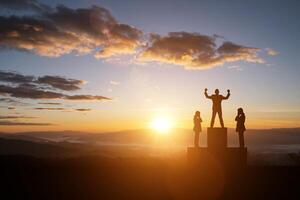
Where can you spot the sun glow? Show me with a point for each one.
(161, 124)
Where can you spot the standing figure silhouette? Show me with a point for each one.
(197, 128)
(240, 126)
(216, 108)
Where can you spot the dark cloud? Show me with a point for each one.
(57, 82)
(86, 97)
(7, 100)
(13, 123)
(15, 117)
(44, 87)
(33, 93)
(49, 103)
(64, 30)
(24, 5)
(83, 109)
(61, 82)
(49, 108)
(11, 103)
(196, 51)
(13, 77)
(29, 93)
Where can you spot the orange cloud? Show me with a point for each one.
(196, 51)
(59, 31)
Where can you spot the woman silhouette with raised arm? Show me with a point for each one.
(197, 128)
(240, 126)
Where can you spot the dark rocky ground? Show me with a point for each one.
(95, 177)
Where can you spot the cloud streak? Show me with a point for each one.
(61, 82)
(86, 97)
(114, 83)
(29, 93)
(83, 109)
(49, 108)
(33, 93)
(272, 52)
(49, 103)
(15, 117)
(12, 77)
(13, 123)
(11, 101)
(55, 82)
(61, 109)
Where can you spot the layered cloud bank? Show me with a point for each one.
(16, 87)
(57, 31)
(45, 87)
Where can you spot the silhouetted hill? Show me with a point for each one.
(266, 147)
(55, 136)
(22, 147)
(253, 137)
(9, 146)
(274, 136)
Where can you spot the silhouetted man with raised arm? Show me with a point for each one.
(216, 108)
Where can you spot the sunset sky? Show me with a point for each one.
(110, 65)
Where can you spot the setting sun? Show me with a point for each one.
(161, 124)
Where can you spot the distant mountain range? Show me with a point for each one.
(265, 146)
(253, 137)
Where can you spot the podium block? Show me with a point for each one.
(217, 151)
(228, 157)
(216, 138)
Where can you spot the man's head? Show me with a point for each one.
(217, 91)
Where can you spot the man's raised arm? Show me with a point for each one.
(206, 95)
(228, 95)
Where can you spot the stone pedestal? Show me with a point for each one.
(217, 151)
(216, 138)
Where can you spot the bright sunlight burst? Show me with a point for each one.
(161, 124)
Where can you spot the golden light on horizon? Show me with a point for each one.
(161, 124)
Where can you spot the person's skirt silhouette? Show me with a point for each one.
(240, 126)
(197, 128)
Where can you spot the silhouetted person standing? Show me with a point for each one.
(240, 126)
(197, 127)
(216, 108)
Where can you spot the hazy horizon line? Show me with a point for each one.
(138, 129)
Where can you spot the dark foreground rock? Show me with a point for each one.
(145, 178)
